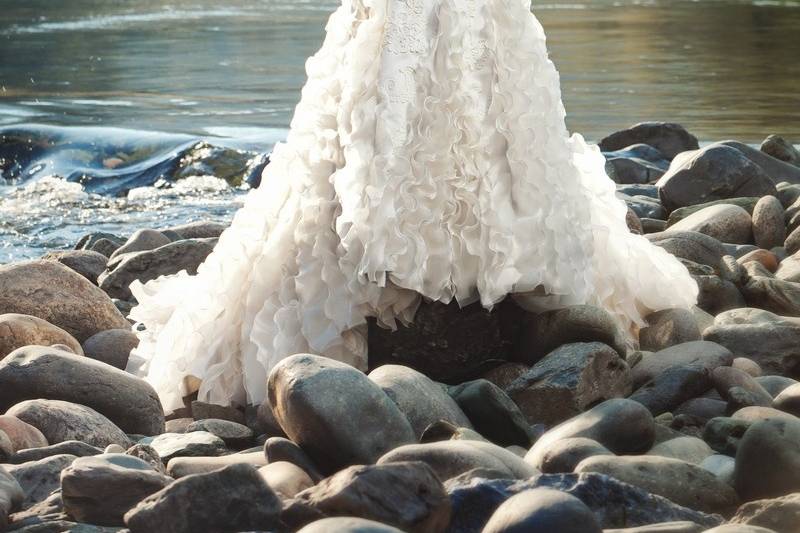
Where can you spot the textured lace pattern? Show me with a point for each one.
(428, 155)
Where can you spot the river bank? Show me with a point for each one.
(467, 421)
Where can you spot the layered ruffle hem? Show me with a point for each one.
(428, 156)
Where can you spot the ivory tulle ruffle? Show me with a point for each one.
(428, 156)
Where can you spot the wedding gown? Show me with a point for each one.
(428, 156)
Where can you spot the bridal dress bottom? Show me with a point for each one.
(428, 157)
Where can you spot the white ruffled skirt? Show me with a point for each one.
(428, 156)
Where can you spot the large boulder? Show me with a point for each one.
(621, 425)
(101, 489)
(668, 138)
(420, 399)
(768, 459)
(58, 295)
(684, 483)
(334, 412)
(39, 372)
(149, 264)
(725, 222)
(64, 421)
(542, 511)
(18, 330)
(568, 380)
(714, 172)
(447, 343)
(234, 498)
(407, 495)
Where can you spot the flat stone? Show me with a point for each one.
(568, 380)
(194, 444)
(69, 447)
(61, 421)
(234, 435)
(285, 479)
(102, 488)
(18, 330)
(420, 399)
(55, 293)
(179, 467)
(40, 372)
(407, 495)
(306, 391)
(234, 498)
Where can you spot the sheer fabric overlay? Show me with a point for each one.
(428, 156)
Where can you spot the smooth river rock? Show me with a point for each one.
(725, 222)
(112, 346)
(18, 330)
(768, 459)
(542, 511)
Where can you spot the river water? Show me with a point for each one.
(100, 89)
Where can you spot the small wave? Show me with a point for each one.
(103, 22)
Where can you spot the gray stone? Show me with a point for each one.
(768, 459)
(421, 400)
(204, 411)
(87, 263)
(18, 330)
(179, 467)
(41, 372)
(725, 222)
(775, 295)
(726, 378)
(748, 366)
(149, 455)
(493, 414)
(11, 496)
(702, 409)
(568, 380)
(61, 421)
(673, 386)
(58, 295)
(407, 495)
(200, 229)
(779, 148)
(668, 138)
(774, 385)
(769, 230)
(562, 456)
(141, 240)
(792, 246)
(104, 243)
(778, 514)
(454, 457)
(39, 478)
(150, 264)
(789, 400)
(668, 327)
(748, 203)
(723, 434)
(346, 524)
(542, 511)
(691, 245)
(621, 425)
(112, 346)
(644, 206)
(196, 443)
(681, 482)
(21, 434)
(689, 449)
(789, 268)
(721, 466)
(306, 392)
(101, 489)
(69, 447)
(234, 435)
(285, 479)
(234, 498)
(281, 449)
(778, 171)
(664, 527)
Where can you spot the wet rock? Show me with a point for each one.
(621, 425)
(668, 327)
(542, 511)
(21, 434)
(493, 414)
(768, 225)
(58, 295)
(453, 457)
(778, 514)
(544, 332)
(39, 478)
(234, 498)
(341, 524)
(447, 343)
(11, 496)
(61, 421)
(725, 222)
(149, 264)
(281, 449)
(421, 400)
(101, 489)
(184, 466)
(562, 456)
(678, 481)
(407, 495)
(691, 245)
(613, 503)
(103, 243)
(141, 240)
(768, 459)
(87, 263)
(285, 479)
(568, 380)
(40, 372)
(305, 391)
(689, 449)
(112, 346)
(234, 435)
(779, 148)
(764, 337)
(69, 447)
(196, 443)
(668, 138)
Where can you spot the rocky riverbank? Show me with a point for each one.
(468, 421)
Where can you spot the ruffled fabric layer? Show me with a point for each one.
(428, 157)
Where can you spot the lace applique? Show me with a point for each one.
(400, 88)
(405, 29)
(477, 53)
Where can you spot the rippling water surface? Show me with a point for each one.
(167, 74)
